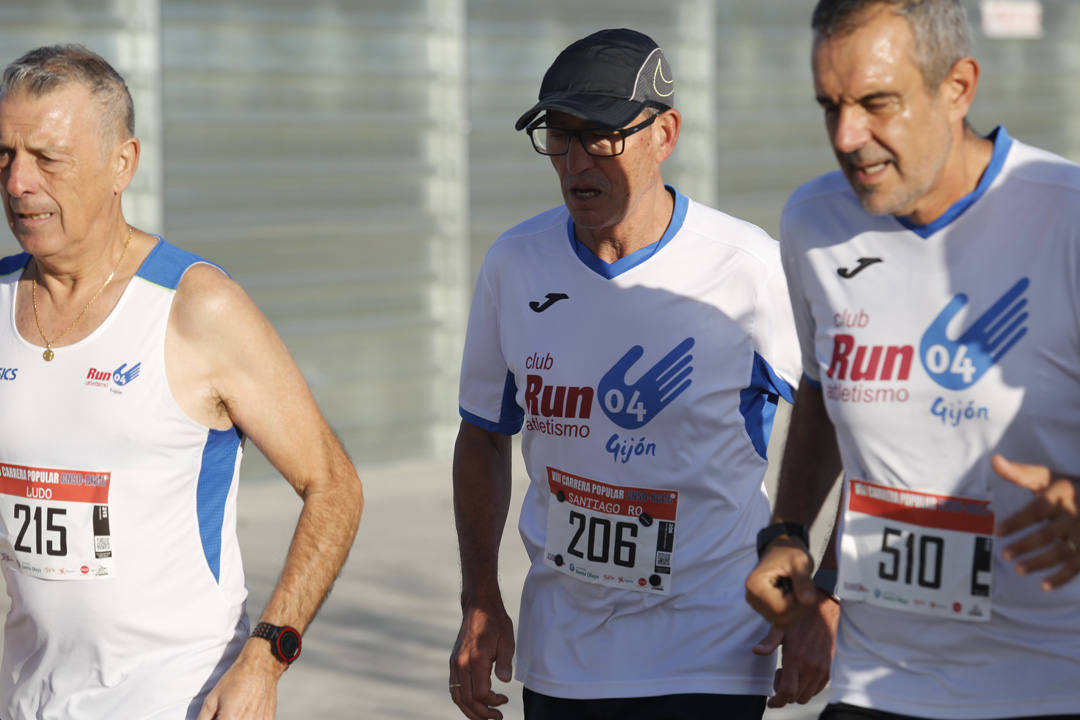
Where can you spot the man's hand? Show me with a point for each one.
(486, 637)
(1053, 516)
(780, 587)
(809, 644)
(248, 690)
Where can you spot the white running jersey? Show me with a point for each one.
(117, 519)
(646, 389)
(936, 346)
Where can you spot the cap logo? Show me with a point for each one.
(669, 85)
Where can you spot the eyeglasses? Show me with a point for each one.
(549, 140)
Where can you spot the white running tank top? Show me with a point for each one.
(117, 519)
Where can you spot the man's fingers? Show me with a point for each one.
(775, 584)
(1034, 540)
(467, 688)
(1036, 511)
(1054, 555)
(814, 679)
(504, 654)
(765, 593)
(1070, 570)
(209, 708)
(775, 701)
(804, 589)
(461, 693)
(786, 687)
(1032, 477)
(768, 644)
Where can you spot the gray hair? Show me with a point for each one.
(48, 68)
(940, 28)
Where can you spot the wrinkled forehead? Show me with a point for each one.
(873, 53)
(60, 116)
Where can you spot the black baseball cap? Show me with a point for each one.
(607, 78)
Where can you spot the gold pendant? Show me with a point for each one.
(48, 354)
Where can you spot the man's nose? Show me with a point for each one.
(851, 130)
(577, 159)
(20, 175)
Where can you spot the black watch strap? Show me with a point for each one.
(284, 640)
(825, 581)
(770, 533)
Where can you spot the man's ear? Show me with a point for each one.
(958, 87)
(668, 124)
(125, 159)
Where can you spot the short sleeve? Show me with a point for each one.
(805, 327)
(775, 370)
(487, 391)
(775, 339)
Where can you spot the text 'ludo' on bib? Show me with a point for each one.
(622, 537)
(55, 523)
(917, 552)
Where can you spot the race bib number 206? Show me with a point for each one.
(917, 552)
(611, 535)
(54, 524)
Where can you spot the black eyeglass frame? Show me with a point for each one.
(619, 133)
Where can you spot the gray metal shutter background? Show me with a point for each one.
(317, 151)
(349, 162)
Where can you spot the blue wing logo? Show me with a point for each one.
(631, 406)
(123, 375)
(958, 364)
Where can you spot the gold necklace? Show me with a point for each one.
(49, 354)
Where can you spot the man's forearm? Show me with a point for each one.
(811, 460)
(482, 485)
(321, 542)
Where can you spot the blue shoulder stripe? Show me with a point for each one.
(13, 263)
(166, 264)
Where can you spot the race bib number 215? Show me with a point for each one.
(54, 524)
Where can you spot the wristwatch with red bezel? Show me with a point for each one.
(284, 640)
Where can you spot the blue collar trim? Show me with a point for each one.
(611, 270)
(1002, 143)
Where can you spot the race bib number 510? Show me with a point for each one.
(611, 535)
(55, 523)
(917, 552)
